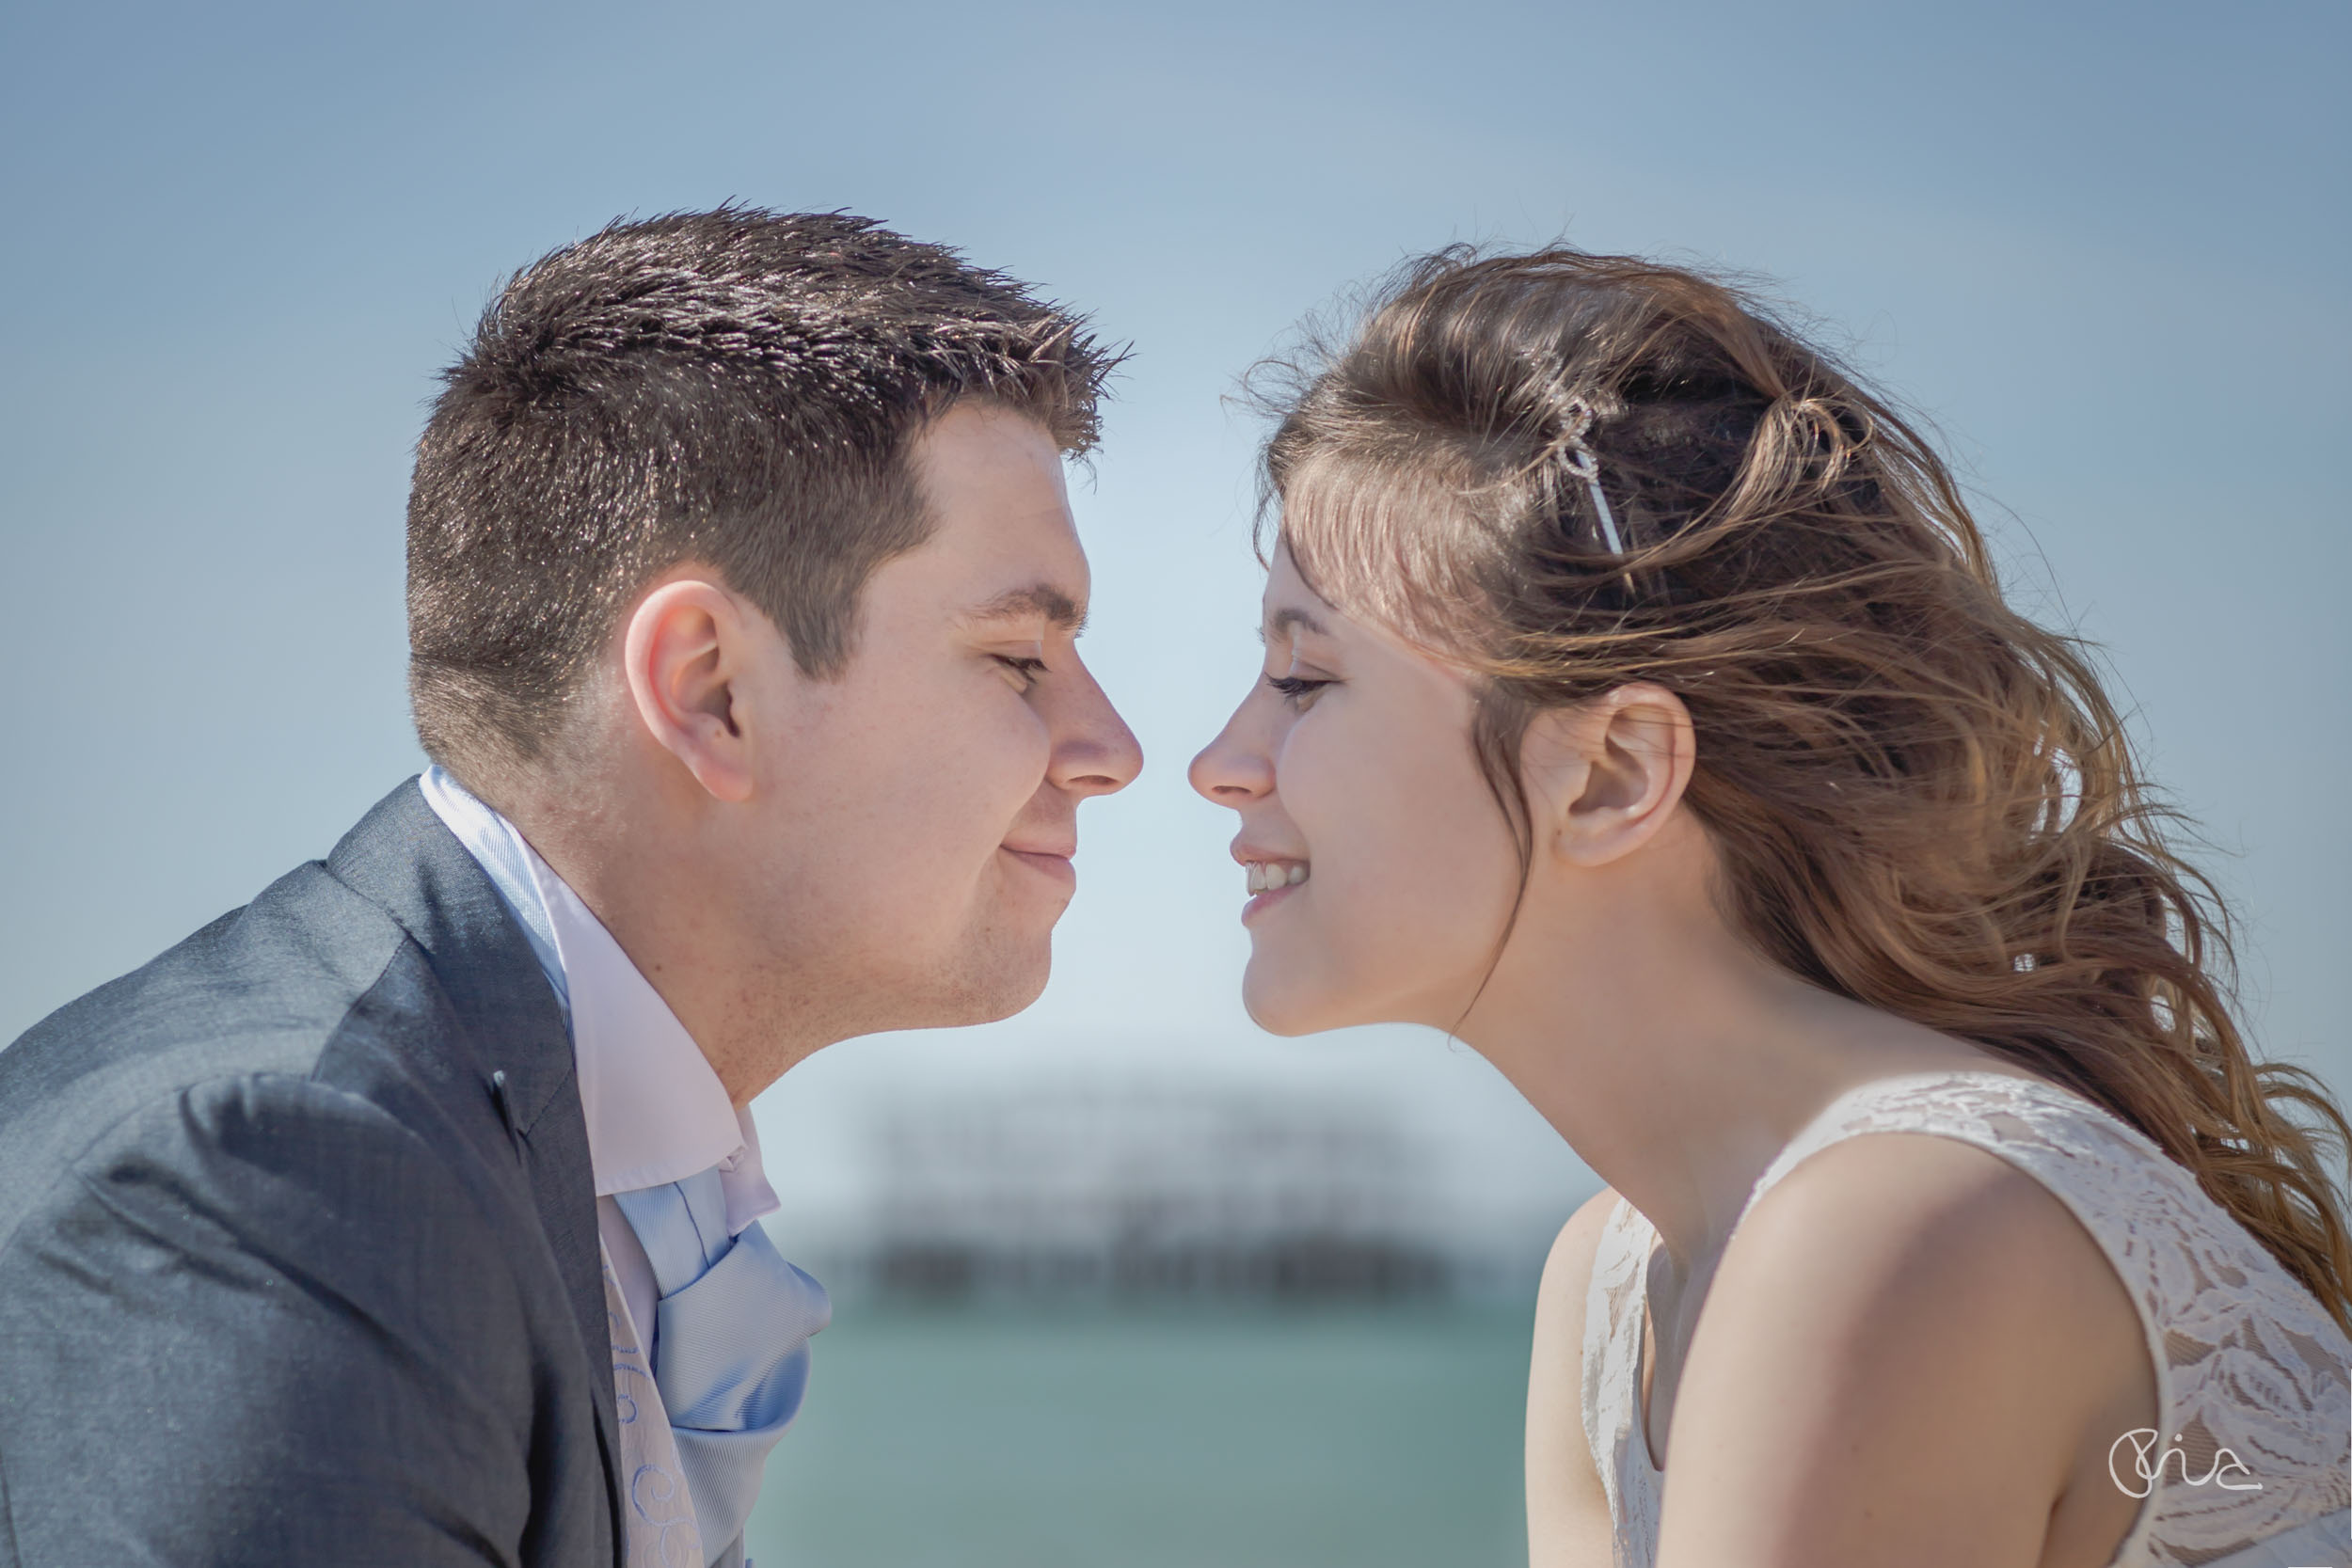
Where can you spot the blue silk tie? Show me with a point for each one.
(730, 1344)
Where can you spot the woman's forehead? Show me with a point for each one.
(1291, 603)
(1294, 608)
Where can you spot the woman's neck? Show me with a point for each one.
(1676, 1061)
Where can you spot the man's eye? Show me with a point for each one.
(1296, 689)
(1022, 671)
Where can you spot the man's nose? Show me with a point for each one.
(1095, 754)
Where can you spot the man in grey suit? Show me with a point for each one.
(407, 1215)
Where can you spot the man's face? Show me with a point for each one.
(929, 794)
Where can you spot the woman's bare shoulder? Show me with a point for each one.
(1567, 1512)
(1569, 1269)
(1886, 1205)
(1909, 1341)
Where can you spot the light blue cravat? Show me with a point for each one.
(730, 1344)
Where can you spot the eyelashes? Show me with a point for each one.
(1022, 671)
(1296, 689)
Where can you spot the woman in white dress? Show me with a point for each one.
(1640, 707)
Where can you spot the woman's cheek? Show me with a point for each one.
(1364, 847)
(1447, 871)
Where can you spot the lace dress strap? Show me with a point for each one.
(2246, 1359)
(1615, 1308)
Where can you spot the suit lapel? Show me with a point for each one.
(403, 858)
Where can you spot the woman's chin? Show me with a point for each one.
(1283, 1004)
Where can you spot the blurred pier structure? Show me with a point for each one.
(1128, 1190)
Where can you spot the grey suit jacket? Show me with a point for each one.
(284, 1277)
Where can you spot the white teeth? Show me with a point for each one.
(1266, 876)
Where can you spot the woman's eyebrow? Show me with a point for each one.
(1039, 599)
(1290, 617)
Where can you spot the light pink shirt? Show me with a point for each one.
(656, 1111)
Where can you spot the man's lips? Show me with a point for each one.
(1049, 862)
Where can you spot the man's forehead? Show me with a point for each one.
(978, 449)
(1003, 547)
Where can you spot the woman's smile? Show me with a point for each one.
(1268, 882)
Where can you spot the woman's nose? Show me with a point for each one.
(1230, 771)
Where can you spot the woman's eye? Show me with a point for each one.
(1296, 689)
(1022, 671)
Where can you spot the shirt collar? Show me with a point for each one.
(656, 1111)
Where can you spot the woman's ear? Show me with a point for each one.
(1605, 775)
(684, 653)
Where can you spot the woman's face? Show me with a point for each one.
(1380, 870)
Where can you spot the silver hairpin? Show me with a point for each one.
(1585, 465)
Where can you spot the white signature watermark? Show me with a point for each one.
(2144, 1475)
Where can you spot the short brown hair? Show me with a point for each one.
(736, 386)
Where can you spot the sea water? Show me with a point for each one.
(1207, 1437)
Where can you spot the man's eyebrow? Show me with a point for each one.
(1057, 609)
(1290, 616)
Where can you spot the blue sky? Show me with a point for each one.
(2100, 247)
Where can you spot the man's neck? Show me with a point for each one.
(651, 886)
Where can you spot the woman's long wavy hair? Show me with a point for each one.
(1919, 799)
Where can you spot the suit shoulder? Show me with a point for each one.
(262, 990)
(277, 1165)
(263, 1286)
(243, 991)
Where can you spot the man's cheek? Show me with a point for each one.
(1010, 770)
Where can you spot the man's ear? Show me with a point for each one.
(1605, 775)
(685, 651)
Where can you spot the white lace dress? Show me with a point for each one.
(2245, 1358)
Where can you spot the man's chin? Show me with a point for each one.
(989, 976)
(1005, 983)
